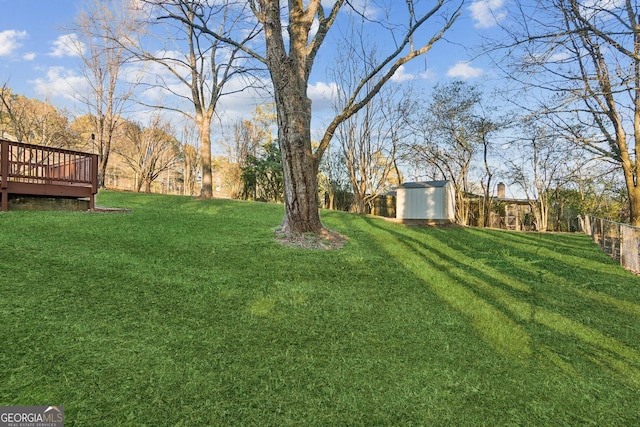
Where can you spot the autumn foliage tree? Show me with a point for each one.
(34, 122)
(196, 67)
(149, 150)
(98, 30)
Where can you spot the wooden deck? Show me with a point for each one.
(33, 170)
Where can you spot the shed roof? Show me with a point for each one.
(424, 184)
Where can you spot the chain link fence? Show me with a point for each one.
(620, 241)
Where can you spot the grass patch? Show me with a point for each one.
(189, 313)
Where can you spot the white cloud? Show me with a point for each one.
(29, 56)
(10, 41)
(560, 56)
(464, 70)
(401, 75)
(365, 8)
(487, 13)
(599, 8)
(427, 75)
(67, 45)
(322, 95)
(241, 105)
(59, 82)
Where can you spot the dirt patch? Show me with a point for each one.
(102, 209)
(326, 240)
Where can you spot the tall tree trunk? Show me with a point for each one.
(204, 130)
(299, 165)
(631, 170)
(290, 66)
(102, 168)
(634, 205)
(138, 183)
(290, 74)
(105, 151)
(486, 206)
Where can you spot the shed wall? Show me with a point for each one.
(422, 203)
(450, 197)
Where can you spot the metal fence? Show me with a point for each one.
(620, 241)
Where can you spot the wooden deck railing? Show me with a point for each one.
(28, 169)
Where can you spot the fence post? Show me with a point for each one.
(624, 244)
(629, 257)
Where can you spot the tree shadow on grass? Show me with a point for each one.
(515, 309)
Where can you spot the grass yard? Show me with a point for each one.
(187, 313)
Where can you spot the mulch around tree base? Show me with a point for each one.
(325, 240)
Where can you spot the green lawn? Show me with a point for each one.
(187, 313)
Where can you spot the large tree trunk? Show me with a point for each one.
(290, 67)
(630, 170)
(290, 74)
(204, 130)
(299, 166)
(634, 205)
(105, 151)
(105, 137)
(102, 169)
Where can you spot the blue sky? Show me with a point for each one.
(32, 48)
(36, 58)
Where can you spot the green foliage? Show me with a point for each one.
(605, 202)
(262, 175)
(187, 312)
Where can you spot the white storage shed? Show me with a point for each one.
(430, 201)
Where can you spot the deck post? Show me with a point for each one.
(4, 171)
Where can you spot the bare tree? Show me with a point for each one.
(369, 139)
(369, 150)
(5, 95)
(99, 29)
(190, 158)
(293, 35)
(333, 179)
(448, 137)
(586, 57)
(202, 65)
(485, 129)
(149, 151)
(249, 136)
(541, 166)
